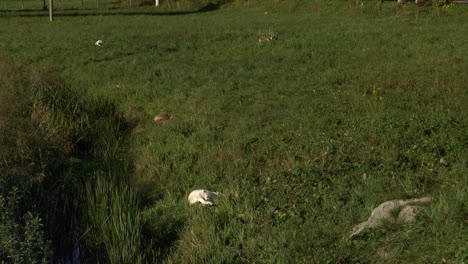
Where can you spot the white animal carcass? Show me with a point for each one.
(202, 196)
(406, 209)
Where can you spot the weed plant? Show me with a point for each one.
(303, 137)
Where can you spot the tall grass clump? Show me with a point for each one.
(113, 221)
(54, 139)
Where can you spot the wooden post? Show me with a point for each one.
(156, 2)
(318, 7)
(51, 18)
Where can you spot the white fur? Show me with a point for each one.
(407, 212)
(202, 196)
(98, 43)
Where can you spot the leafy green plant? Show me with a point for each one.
(23, 238)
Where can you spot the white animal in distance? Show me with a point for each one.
(202, 196)
(98, 43)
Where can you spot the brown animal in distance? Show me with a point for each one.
(161, 117)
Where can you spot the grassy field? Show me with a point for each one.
(350, 107)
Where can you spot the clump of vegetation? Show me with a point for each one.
(53, 141)
(113, 221)
(23, 239)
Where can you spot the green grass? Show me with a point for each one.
(113, 221)
(303, 137)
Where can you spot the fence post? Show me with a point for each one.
(50, 10)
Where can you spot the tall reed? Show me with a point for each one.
(114, 224)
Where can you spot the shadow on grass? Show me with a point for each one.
(114, 11)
